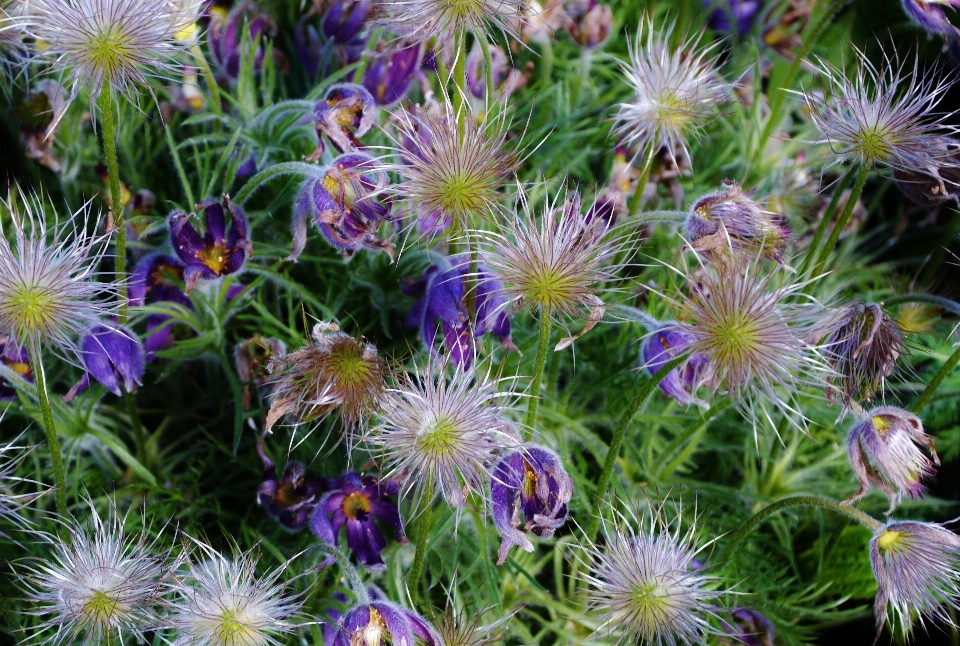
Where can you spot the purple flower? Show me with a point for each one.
(226, 39)
(534, 482)
(157, 278)
(682, 382)
(345, 206)
(218, 252)
(388, 75)
(344, 20)
(381, 622)
(930, 17)
(292, 498)
(356, 502)
(883, 449)
(344, 115)
(732, 15)
(115, 357)
(15, 359)
(748, 628)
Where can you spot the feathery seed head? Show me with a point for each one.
(645, 585)
(883, 115)
(917, 566)
(334, 372)
(48, 291)
(449, 174)
(423, 19)
(97, 582)
(222, 602)
(883, 449)
(862, 346)
(675, 91)
(116, 43)
(443, 431)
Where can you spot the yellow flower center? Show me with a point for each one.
(33, 308)
(873, 145)
(438, 436)
(355, 505)
(101, 608)
(234, 629)
(214, 257)
(890, 540)
(880, 425)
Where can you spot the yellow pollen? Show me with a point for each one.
(356, 504)
(215, 258)
(890, 540)
(22, 369)
(880, 425)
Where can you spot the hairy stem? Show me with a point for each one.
(938, 378)
(797, 501)
(827, 218)
(842, 222)
(543, 346)
(636, 200)
(107, 121)
(423, 533)
(350, 572)
(646, 388)
(53, 440)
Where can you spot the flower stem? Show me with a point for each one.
(647, 386)
(106, 105)
(40, 378)
(350, 572)
(423, 533)
(586, 62)
(798, 501)
(842, 222)
(938, 378)
(172, 145)
(543, 346)
(208, 74)
(636, 200)
(827, 218)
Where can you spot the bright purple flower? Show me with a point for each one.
(356, 502)
(218, 252)
(748, 628)
(682, 382)
(114, 356)
(732, 15)
(345, 114)
(930, 17)
(381, 622)
(389, 74)
(533, 481)
(226, 39)
(292, 498)
(15, 359)
(157, 278)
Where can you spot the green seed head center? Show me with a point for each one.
(873, 145)
(110, 50)
(234, 630)
(33, 308)
(438, 436)
(101, 608)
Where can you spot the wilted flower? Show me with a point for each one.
(747, 628)
(157, 278)
(252, 359)
(358, 503)
(883, 116)
(227, 38)
(110, 44)
(379, 623)
(40, 116)
(221, 602)
(344, 115)
(442, 433)
(930, 17)
(216, 253)
(292, 498)
(917, 566)
(676, 91)
(530, 481)
(883, 452)
(936, 185)
(48, 291)
(443, 19)
(664, 344)
(450, 170)
(862, 346)
(389, 74)
(15, 360)
(334, 372)
(97, 582)
(645, 585)
(731, 218)
(114, 356)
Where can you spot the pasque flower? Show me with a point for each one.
(930, 16)
(530, 481)
(17, 361)
(357, 503)
(114, 356)
(884, 450)
(227, 37)
(158, 278)
(218, 252)
(444, 19)
(291, 498)
(389, 74)
(345, 114)
(381, 622)
(664, 344)
(917, 566)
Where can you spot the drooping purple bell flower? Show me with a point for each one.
(381, 622)
(747, 628)
(219, 251)
(929, 16)
(291, 499)
(345, 205)
(15, 359)
(732, 15)
(345, 114)
(357, 503)
(531, 482)
(157, 278)
(226, 39)
(114, 356)
(389, 74)
(663, 345)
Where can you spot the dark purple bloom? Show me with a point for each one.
(929, 15)
(115, 357)
(218, 252)
(344, 20)
(748, 628)
(344, 115)
(292, 498)
(381, 622)
(157, 278)
(663, 345)
(357, 502)
(388, 75)
(531, 481)
(345, 206)
(332, 617)
(15, 359)
(732, 15)
(226, 39)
